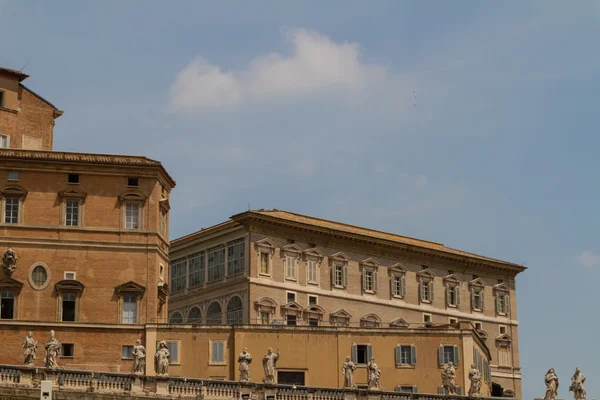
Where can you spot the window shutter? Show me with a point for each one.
(498, 305)
(369, 352)
(456, 356)
(345, 275)
(375, 283)
(448, 300)
(473, 299)
(507, 303)
(415, 389)
(422, 290)
(398, 358)
(482, 296)
(364, 280)
(413, 356)
(403, 285)
(431, 297)
(441, 355)
(457, 295)
(354, 354)
(333, 275)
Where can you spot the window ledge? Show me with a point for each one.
(397, 296)
(313, 283)
(452, 306)
(71, 357)
(265, 275)
(291, 279)
(477, 310)
(10, 110)
(426, 301)
(126, 358)
(406, 366)
(218, 363)
(339, 287)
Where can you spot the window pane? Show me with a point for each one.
(235, 256)
(11, 210)
(129, 309)
(68, 306)
(213, 315)
(178, 275)
(235, 310)
(197, 268)
(264, 263)
(173, 348)
(39, 276)
(132, 216)
(216, 263)
(72, 213)
(127, 352)
(218, 352)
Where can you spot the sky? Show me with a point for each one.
(467, 123)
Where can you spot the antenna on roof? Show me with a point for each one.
(23, 67)
(248, 206)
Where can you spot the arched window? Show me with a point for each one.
(194, 316)
(370, 321)
(176, 318)
(235, 310)
(213, 315)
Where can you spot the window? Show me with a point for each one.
(453, 321)
(475, 276)
(216, 263)
(370, 280)
(67, 350)
(478, 325)
(133, 182)
(129, 309)
(1, 98)
(194, 316)
(361, 353)
(264, 263)
(217, 352)
(311, 267)
(312, 300)
(173, 347)
(68, 306)
(501, 303)
(370, 321)
(235, 256)
(424, 267)
(265, 317)
(448, 354)
(291, 296)
(176, 318)
(340, 276)
(72, 212)
(398, 285)
(453, 295)
(502, 329)
(73, 178)
(132, 216)
(127, 352)
(313, 322)
(290, 378)
(39, 277)
(11, 210)
(178, 275)
(291, 320)
(4, 141)
(426, 317)
(70, 275)
(406, 355)
(13, 176)
(196, 276)
(290, 267)
(7, 305)
(477, 299)
(427, 291)
(213, 314)
(406, 389)
(235, 311)
(503, 357)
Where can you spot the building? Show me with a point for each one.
(277, 267)
(26, 118)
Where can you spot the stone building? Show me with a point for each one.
(26, 118)
(277, 267)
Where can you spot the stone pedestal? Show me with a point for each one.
(162, 385)
(349, 395)
(137, 385)
(27, 375)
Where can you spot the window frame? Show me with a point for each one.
(366, 349)
(19, 208)
(14, 296)
(426, 280)
(313, 259)
(65, 346)
(502, 299)
(138, 207)
(265, 246)
(4, 138)
(125, 356)
(13, 178)
(453, 291)
(314, 296)
(32, 268)
(196, 272)
(215, 263)
(412, 355)
(477, 289)
(397, 272)
(177, 266)
(455, 359)
(213, 342)
(66, 212)
(339, 263)
(234, 246)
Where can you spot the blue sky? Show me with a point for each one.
(311, 107)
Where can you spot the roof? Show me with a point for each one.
(83, 158)
(19, 74)
(289, 217)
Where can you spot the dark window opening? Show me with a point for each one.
(313, 322)
(133, 182)
(66, 350)
(7, 304)
(1, 99)
(68, 307)
(291, 297)
(73, 178)
(290, 378)
(362, 354)
(291, 320)
(497, 390)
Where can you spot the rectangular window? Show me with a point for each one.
(68, 306)
(502, 329)
(361, 353)
(178, 275)
(453, 321)
(448, 354)
(163, 222)
(127, 352)
(72, 213)
(291, 296)
(340, 276)
(133, 182)
(426, 317)
(312, 300)
(478, 325)
(291, 320)
(290, 267)
(13, 176)
(70, 275)
(397, 286)
(290, 378)
(311, 267)
(73, 178)
(129, 309)
(173, 347)
(406, 389)
(4, 141)
(7, 305)
(11, 210)
(265, 318)
(368, 281)
(452, 295)
(235, 256)
(264, 263)
(132, 216)
(501, 303)
(477, 300)
(196, 276)
(426, 291)
(216, 263)
(67, 350)
(313, 322)
(1, 99)
(503, 359)
(217, 354)
(406, 355)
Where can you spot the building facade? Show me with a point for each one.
(26, 118)
(276, 267)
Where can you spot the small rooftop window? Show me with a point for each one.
(73, 178)
(133, 181)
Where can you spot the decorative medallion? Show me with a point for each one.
(9, 261)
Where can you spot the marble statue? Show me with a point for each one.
(348, 372)
(577, 385)
(373, 375)
(475, 378)
(244, 361)
(139, 358)
(270, 366)
(551, 381)
(448, 375)
(161, 359)
(9, 261)
(52, 352)
(30, 345)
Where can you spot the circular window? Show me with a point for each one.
(39, 276)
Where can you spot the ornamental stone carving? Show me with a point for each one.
(52, 352)
(161, 359)
(348, 372)
(30, 346)
(551, 381)
(244, 361)
(448, 375)
(9, 261)
(373, 375)
(139, 359)
(577, 385)
(270, 366)
(475, 378)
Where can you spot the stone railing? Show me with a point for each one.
(21, 382)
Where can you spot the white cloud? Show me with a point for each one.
(316, 65)
(588, 259)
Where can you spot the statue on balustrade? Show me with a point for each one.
(348, 372)
(551, 381)
(161, 359)
(139, 358)
(448, 375)
(270, 366)
(52, 352)
(577, 385)
(244, 361)
(373, 375)
(30, 345)
(475, 378)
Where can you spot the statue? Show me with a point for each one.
(9, 261)
(244, 361)
(270, 366)
(551, 385)
(139, 358)
(448, 375)
(577, 385)
(348, 372)
(161, 359)
(475, 378)
(373, 375)
(30, 345)
(52, 352)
